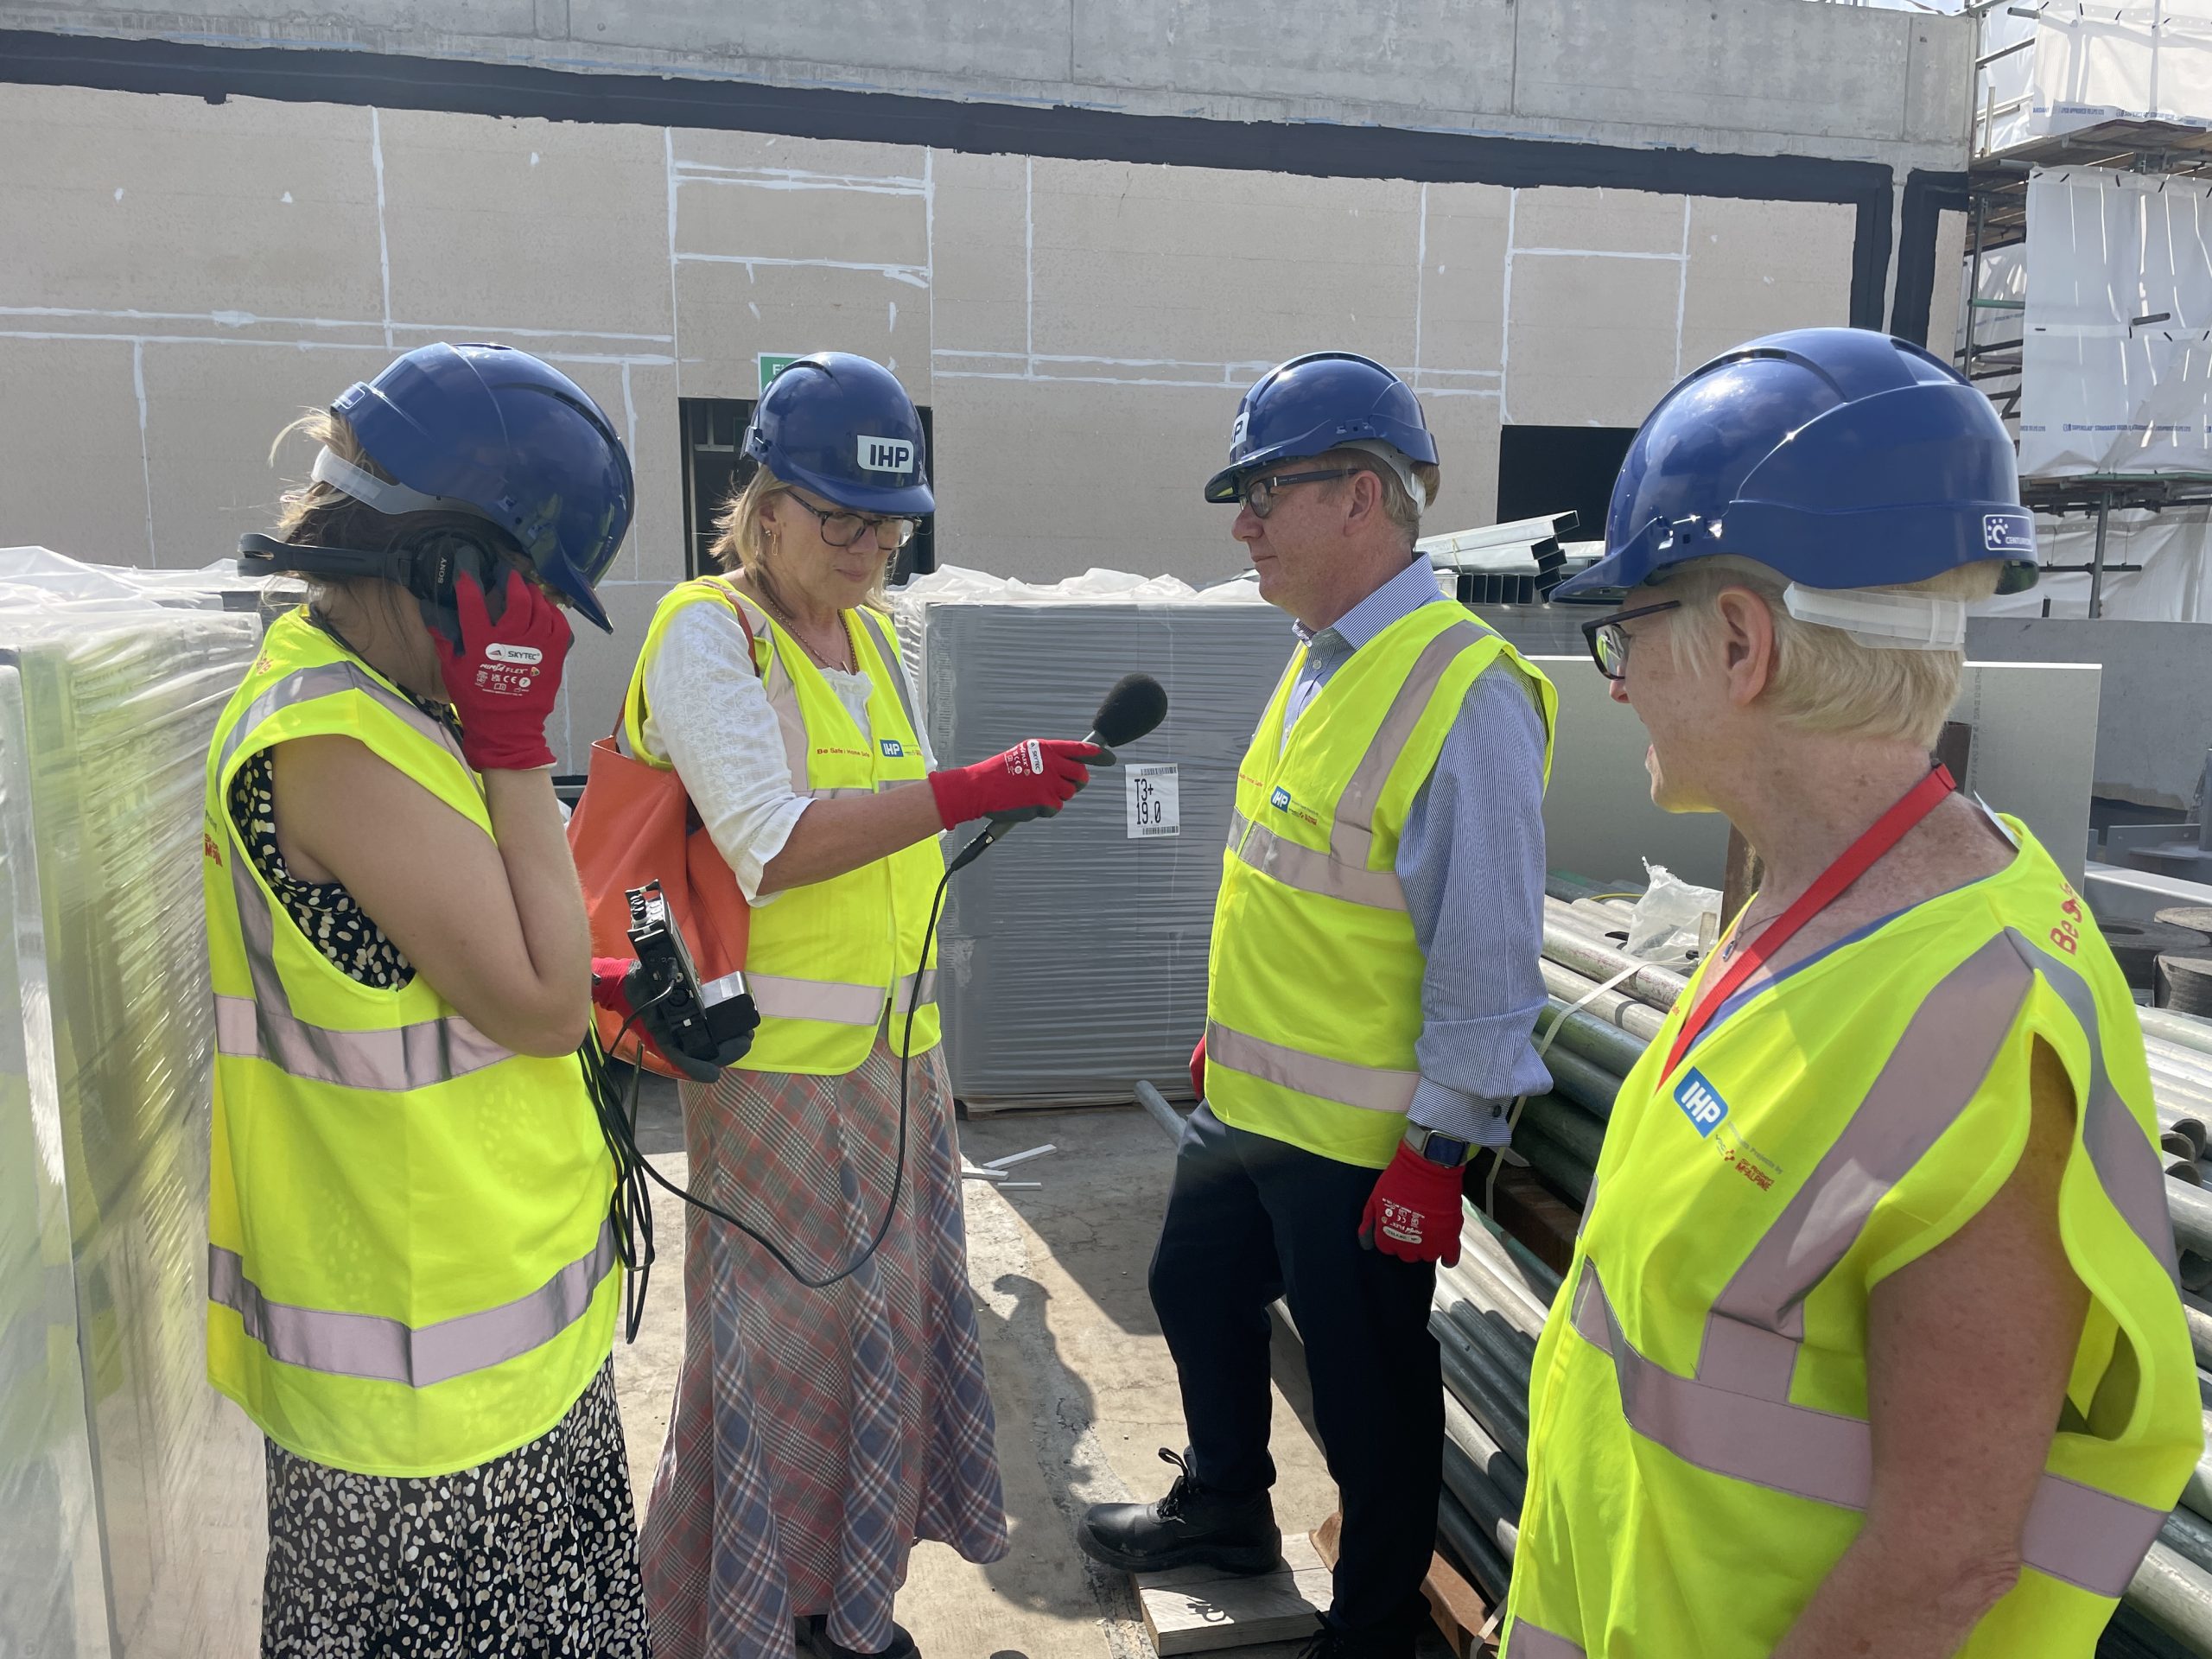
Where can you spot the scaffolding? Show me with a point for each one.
(2002, 159)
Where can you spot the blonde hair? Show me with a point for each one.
(1823, 680)
(738, 546)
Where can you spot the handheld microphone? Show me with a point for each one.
(1135, 705)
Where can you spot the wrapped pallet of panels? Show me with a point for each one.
(1073, 955)
(118, 695)
(52, 1600)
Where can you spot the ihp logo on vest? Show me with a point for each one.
(1279, 800)
(885, 454)
(1701, 1102)
(894, 749)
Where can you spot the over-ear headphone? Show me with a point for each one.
(427, 564)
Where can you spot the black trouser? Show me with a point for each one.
(1251, 1219)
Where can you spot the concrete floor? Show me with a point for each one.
(1084, 1391)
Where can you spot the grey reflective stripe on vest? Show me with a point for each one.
(779, 996)
(887, 647)
(1311, 871)
(1343, 872)
(1371, 1088)
(2126, 1166)
(2091, 1539)
(1527, 1641)
(905, 988)
(387, 1350)
(1735, 1418)
(263, 1027)
(1351, 836)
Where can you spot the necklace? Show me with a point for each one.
(791, 626)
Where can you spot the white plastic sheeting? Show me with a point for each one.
(2082, 64)
(2117, 359)
(2170, 546)
(129, 1492)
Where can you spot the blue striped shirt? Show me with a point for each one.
(1471, 860)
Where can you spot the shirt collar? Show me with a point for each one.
(1404, 594)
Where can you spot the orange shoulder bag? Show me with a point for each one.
(635, 824)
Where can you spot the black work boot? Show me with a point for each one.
(1191, 1526)
(1396, 1640)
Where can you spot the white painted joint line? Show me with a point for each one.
(383, 242)
(145, 458)
(1029, 255)
(1598, 253)
(1683, 287)
(1421, 273)
(912, 276)
(852, 187)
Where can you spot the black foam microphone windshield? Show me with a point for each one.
(1135, 705)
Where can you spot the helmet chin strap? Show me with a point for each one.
(1401, 468)
(380, 494)
(1882, 621)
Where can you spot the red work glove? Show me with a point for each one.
(1033, 778)
(504, 676)
(1199, 1070)
(1414, 1212)
(616, 986)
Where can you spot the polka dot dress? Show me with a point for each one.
(533, 1553)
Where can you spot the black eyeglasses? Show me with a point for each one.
(1609, 643)
(843, 529)
(1259, 494)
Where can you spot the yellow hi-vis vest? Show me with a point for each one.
(1314, 986)
(827, 960)
(411, 1265)
(1698, 1450)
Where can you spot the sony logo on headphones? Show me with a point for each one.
(885, 455)
(504, 653)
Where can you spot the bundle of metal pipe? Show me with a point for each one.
(1489, 1309)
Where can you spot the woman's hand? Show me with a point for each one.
(1033, 777)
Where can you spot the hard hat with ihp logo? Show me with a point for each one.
(1320, 402)
(844, 428)
(1840, 457)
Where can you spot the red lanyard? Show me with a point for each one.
(1858, 858)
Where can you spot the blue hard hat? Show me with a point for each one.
(1837, 457)
(1315, 403)
(844, 428)
(491, 431)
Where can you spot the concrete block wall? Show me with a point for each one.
(1745, 77)
(181, 279)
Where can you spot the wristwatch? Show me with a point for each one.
(1437, 1146)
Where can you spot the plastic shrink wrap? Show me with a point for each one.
(130, 1508)
(1073, 955)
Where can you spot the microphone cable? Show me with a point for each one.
(617, 1110)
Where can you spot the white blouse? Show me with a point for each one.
(707, 711)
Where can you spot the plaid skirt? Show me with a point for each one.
(817, 1434)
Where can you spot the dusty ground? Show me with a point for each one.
(1084, 1391)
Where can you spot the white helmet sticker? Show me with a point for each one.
(1236, 432)
(2008, 532)
(885, 455)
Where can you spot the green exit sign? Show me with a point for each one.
(772, 365)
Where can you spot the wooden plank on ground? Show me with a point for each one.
(1203, 1610)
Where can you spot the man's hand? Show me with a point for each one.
(1415, 1211)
